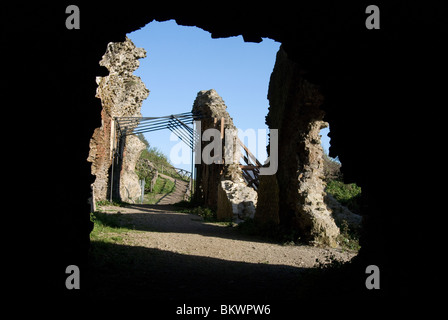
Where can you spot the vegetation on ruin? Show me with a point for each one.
(158, 159)
(348, 238)
(348, 195)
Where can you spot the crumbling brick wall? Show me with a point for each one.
(121, 94)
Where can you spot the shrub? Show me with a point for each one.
(189, 207)
(348, 238)
(206, 213)
(348, 195)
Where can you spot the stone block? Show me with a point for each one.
(236, 200)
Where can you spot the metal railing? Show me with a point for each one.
(250, 168)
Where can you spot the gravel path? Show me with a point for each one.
(181, 188)
(165, 229)
(167, 255)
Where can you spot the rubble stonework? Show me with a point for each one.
(294, 110)
(221, 186)
(267, 213)
(121, 94)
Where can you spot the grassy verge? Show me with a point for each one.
(108, 228)
(161, 187)
(207, 214)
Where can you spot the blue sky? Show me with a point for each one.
(181, 61)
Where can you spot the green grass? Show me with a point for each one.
(162, 186)
(114, 203)
(108, 227)
(109, 257)
(207, 214)
(348, 195)
(160, 161)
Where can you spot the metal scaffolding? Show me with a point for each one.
(176, 123)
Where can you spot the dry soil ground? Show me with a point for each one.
(181, 187)
(171, 255)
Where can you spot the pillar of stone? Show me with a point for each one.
(121, 94)
(294, 111)
(221, 186)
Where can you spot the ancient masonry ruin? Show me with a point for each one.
(121, 94)
(294, 198)
(221, 186)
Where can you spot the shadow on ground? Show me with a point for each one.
(128, 272)
(120, 271)
(163, 218)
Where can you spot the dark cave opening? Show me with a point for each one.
(375, 84)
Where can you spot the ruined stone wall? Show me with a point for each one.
(213, 108)
(267, 212)
(294, 110)
(121, 94)
(221, 186)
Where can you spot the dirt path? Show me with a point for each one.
(184, 233)
(181, 255)
(181, 187)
